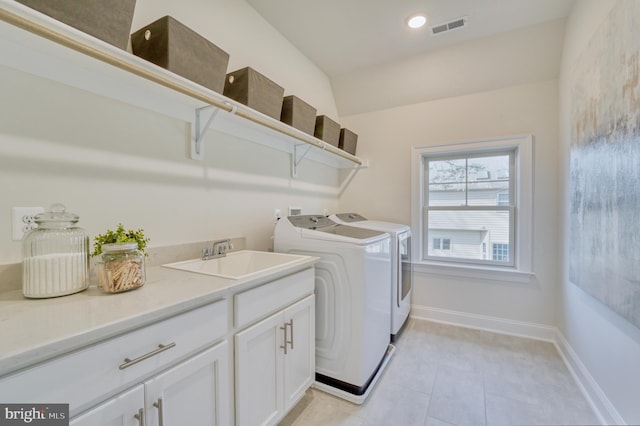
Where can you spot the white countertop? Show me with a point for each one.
(34, 330)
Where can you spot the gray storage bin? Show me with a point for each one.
(256, 91)
(348, 141)
(299, 114)
(108, 20)
(172, 45)
(327, 130)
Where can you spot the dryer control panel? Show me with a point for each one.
(350, 217)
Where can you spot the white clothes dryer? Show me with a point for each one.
(401, 274)
(352, 300)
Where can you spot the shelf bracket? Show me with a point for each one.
(297, 157)
(199, 130)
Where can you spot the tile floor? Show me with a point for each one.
(443, 375)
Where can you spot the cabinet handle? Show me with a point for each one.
(161, 348)
(160, 408)
(291, 332)
(285, 338)
(140, 417)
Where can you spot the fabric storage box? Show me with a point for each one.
(327, 130)
(256, 91)
(174, 46)
(108, 20)
(348, 141)
(299, 114)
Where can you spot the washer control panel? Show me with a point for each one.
(310, 221)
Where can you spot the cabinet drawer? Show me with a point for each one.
(84, 377)
(268, 298)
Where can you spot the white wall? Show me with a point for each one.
(384, 190)
(507, 59)
(239, 30)
(110, 162)
(607, 345)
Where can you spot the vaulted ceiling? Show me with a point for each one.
(374, 61)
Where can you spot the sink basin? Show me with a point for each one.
(237, 265)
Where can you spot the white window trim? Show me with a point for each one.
(522, 271)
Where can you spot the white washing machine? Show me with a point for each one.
(401, 275)
(352, 300)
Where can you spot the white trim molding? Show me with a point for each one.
(595, 396)
(484, 322)
(524, 195)
(598, 400)
(510, 275)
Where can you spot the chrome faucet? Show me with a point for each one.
(218, 249)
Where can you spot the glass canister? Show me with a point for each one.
(55, 255)
(120, 268)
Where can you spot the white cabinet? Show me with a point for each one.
(194, 392)
(300, 359)
(122, 410)
(259, 367)
(275, 364)
(85, 378)
(181, 370)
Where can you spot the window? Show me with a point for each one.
(500, 252)
(441, 244)
(479, 195)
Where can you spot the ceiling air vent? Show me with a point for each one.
(448, 26)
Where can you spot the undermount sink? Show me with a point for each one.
(237, 265)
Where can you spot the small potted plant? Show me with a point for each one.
(121, 263)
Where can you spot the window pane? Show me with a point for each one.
(500, 252)
(447, 194)
(486, 193)
(503, 199)
(489, 168)
(468, 181)
(488, 176)
(468, 232)
(447, 171)
(436, 244)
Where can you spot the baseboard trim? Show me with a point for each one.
(598, 400)
(483, 322)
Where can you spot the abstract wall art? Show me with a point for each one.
(604, 246)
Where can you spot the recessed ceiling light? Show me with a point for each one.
(416, 21)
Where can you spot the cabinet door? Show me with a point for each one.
(299, 363)
(259, 374)
(121, 410)
(194, 392)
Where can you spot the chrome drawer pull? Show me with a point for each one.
(285, 338)
(291, 326)
(140, 417)
(160, 408)
(161, 348)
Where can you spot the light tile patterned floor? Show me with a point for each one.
(442, 375)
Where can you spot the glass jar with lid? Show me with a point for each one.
(55, 255)
(120, 268)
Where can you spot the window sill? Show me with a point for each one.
(478, 272)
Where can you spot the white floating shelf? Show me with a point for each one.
(37, 44)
